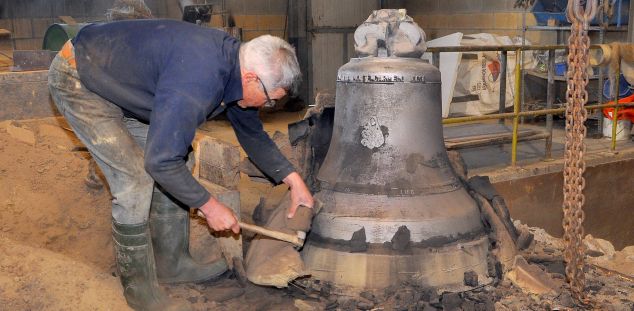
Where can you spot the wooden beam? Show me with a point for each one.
(68, 20)
(217, 162)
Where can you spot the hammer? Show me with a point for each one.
(296, 239)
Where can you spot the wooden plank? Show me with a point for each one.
(25, 95)
(337, 13)
(22, 28)
(327, 58)
(32, 60)
(489, 136)
(68, 20)
(492, 141)
(217, 162)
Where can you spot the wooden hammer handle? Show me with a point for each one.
(283, 236)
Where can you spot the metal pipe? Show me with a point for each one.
(492, 48)
(615, 118)
(516, 106)
(317, 29)
(508, 115)
(567, 28)
(435, 59)
(600, 88)
(550, 99)
(630, 24)
(503, 65)
(521, 60)
(492, 141)
(618, 15)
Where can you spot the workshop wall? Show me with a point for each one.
(256, 17)
(442, 17)
(29, 19)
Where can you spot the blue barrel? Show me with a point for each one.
(624, 88)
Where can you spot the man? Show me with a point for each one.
(134, 92)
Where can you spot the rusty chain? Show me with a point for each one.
(574, 164)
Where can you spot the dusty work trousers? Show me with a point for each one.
(114, 141)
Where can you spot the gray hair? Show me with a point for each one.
(274, 61)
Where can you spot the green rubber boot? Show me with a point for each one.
(169, 225)
(137, 270)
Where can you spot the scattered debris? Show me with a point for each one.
(531, 279)
(483, 186)
(451, 301)
(20, 133)
(304, 305)
(524, 239)
(401, 239)
(471, 278)
(358, 242)
(600, 248)
(503, 244)
(223, 293)
(51, 130)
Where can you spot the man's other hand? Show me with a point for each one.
(300, 195)
(219, 217)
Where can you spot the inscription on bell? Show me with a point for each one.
(380, 79)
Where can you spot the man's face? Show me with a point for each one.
(253, 92)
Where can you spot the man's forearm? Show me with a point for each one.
(293, 179)
(258, 145)
(179, 182)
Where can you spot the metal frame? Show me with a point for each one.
(517, 113)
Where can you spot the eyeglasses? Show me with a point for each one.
(269, 102)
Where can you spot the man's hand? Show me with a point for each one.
(300, 195)
(219, 217)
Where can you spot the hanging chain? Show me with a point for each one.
(574, 164)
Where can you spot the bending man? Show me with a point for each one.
(134, 92)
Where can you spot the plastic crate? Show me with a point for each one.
(544, 10)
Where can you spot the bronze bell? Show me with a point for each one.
(393, 209)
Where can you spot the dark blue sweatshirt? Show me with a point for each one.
(174, 76)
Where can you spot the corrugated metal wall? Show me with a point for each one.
(29, 19)
(331, 25)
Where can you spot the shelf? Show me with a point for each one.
(591, 28)
(544, 75)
